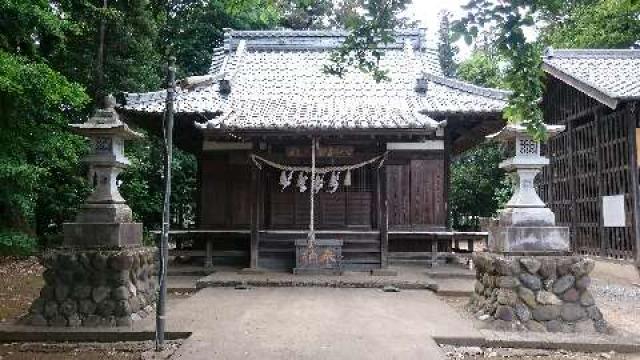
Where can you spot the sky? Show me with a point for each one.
(426, 11)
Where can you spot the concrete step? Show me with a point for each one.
(188, 270)
(454, 287)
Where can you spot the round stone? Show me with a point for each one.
(100, 293)
(533, 325)
(86, 307)
(62, 292)
(504, 313)
(68, 307)
(548, 268)
(531, 281)
(80, 292)
(531, 264)
(50, 309)
(586, 299)
(522, 312)
(527, 296)
(547, 298)
(106, 308)
(507, 282)
(120, 293)
(583, 267)
(583, 283)
(571, 295)
(546, 312)
(563, 284)
(507, 297)
(100, 261)
(74, 320)
(554, 326)
(572, 312)
(121, 262)
(564, 265)
(122, 308)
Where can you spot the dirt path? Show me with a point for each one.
(20, 283)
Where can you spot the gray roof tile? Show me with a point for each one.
(279, 83)
(607, 75)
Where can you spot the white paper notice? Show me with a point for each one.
(613, 214)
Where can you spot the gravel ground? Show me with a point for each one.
(470, 353)
(86, 351)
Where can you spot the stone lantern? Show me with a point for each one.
(526, 224)
(528, 280)
(105, 220)
(102, 275)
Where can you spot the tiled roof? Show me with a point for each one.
(609, 76)
(277, 82)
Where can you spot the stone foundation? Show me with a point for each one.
(537, 293)
(95, 288)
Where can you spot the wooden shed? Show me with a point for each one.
(251, 121)
(592, 181)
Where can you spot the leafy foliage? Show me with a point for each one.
(605, 24)
(195, 28)
(369, 33)
(524, 75)
(39, 156)
(142, 183)
(482, 69)
(446, 50)
(478, 186)
(16, 243)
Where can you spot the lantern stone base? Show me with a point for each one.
(324, 258)
(95, 288)
(106, 235)
(536, 293)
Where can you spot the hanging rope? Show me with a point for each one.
(259, 160)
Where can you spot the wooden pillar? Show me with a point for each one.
(632, 119)
(383, 215)
(598, 136)
(255, 217)
(572, 188)
(208, 260)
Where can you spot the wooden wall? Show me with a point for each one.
(591, 159)
(414, 183)
(416, 193)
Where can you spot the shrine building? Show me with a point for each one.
(381, 161)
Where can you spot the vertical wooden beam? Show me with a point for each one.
(208, 259)
(632, 115)
(383, 215)
(447, 176)
(572, 181)
(255, 217)
(598, 144)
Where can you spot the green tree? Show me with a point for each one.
(478, 186)
(446, 50)
(41, 185)
(196, 28)
(482, 69)
(306, 14)
(371, 27)
(605, 24)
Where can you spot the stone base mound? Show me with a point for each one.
(95, 288)
(536, 293)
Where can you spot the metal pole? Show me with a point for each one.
(166, 218)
